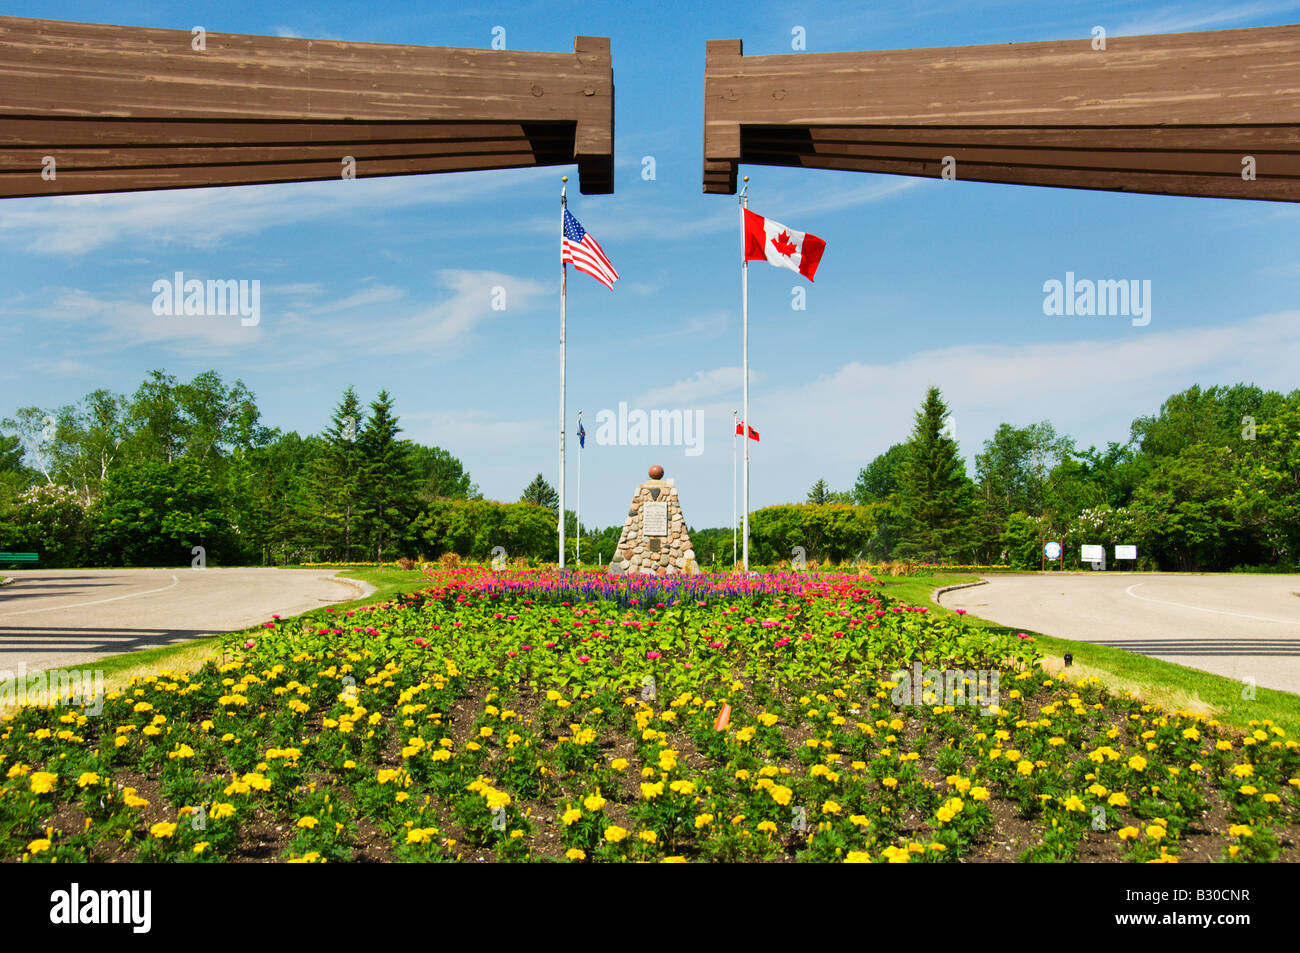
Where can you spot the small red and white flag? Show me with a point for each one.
(766, 240)
(740, 429)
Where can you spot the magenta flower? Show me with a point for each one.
(584, 658)
(653, 655)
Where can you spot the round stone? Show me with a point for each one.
(656, 472)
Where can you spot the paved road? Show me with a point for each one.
(59, 617)
(1234, 625)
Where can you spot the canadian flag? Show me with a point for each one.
(766, 240)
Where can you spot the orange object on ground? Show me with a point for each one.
(723, 719)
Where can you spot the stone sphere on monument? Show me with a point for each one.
(656, 472)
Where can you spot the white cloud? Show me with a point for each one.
(210, 218)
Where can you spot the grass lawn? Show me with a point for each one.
(1162, 683)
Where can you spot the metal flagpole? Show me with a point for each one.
(744, 312)
(564, 292)
(734, 424)
(578, 540)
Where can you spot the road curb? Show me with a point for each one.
(934, 596)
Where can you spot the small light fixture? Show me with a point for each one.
(1069, 659)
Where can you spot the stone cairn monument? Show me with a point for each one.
(654, 538)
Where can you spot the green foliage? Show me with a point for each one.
(472, 528)
(936, 498)
(826, 531)
(541, 493)
(153, 514)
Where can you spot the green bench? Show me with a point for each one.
(7, 558)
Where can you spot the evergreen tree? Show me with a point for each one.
(387, 486)
(820, 492)
(543, 494)
(336, 479)
(936, 498)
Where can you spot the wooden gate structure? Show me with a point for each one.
(1215, 113)
(122, 109)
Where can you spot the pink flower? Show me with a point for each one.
(249, 644)
(584, 658)
(653, 655)
(961, 611)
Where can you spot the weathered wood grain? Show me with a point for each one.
(107, 99)
(1171, 114)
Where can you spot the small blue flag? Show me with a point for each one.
(582, 436)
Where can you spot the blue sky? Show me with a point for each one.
(387, 282)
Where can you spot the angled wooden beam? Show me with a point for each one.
(128, 108)
(1175, 114)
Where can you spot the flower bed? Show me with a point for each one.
(529, 715)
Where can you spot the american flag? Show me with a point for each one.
(577, 246)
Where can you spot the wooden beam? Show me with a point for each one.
(1174, 114)
(106, 100)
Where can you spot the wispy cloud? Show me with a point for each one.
(210, 218)
(1185, 18)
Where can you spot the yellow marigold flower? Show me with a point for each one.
(890, 783)
(682, 787)
(571, 816)
(1155, 832)
(703, 820)
(830, 807)
(1223, 745)
(307, 823)
(87, 778)
(42, 782)
(1118, 799)
(1248, 789)
(979, 793)
(573, 853)
(1025, 767)
(163, 829)
(898, 855)
(593, 802)
(1096, 790)
(1243, 770)
(1072, 803)
(619, 764)
(649, 837)
(36, 846)
(767, 719)
(767, 827)
(201, 846)
(1128, 833)
(781, 794)
(651, 791)
(221, 810)
(614, 834)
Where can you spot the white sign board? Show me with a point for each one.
(654, 519)
(1052, 550)
(1094, 554)
(1126, 552)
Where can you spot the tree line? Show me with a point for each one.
(1210, 482)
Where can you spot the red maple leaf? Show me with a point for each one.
(783, 244)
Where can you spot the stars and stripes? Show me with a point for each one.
(579, 247)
